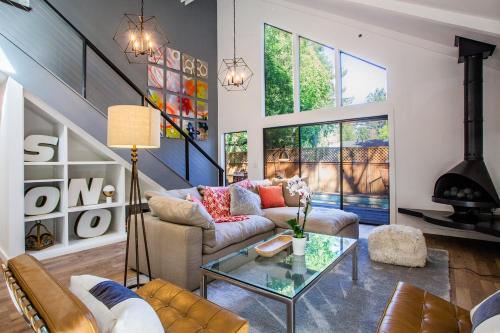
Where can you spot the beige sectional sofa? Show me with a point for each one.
(177, 251)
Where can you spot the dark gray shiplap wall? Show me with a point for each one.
(191, 29)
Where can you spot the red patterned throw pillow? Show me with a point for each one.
(217, 201)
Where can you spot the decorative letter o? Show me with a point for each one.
(41, 200)
(92, 223)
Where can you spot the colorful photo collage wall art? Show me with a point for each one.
(177, 84)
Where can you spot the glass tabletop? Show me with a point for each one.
(284, 274)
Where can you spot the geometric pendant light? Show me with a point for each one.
(234, 74)
(140, 38)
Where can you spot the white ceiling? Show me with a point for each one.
(435, 20)
(482, 8)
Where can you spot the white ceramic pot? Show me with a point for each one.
(299, 246)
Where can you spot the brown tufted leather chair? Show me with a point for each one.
(48, 306)
(413, 310)
(181, 311)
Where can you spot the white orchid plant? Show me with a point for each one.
(297, 186)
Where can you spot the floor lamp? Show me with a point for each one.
(134, 127)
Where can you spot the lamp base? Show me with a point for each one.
(134, 218)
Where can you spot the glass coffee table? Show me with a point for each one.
(283, 277)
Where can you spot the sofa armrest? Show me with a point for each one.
(175, 251)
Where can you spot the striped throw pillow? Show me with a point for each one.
(485, 316)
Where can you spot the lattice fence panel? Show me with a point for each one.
(366, 155)
(324, 154)
(332, 154)
(272, 155)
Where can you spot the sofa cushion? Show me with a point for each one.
(328, 221)
(485, 316)
(179, 194)
(271, 196)
(229, 233)
(256, 183)
(181, 211)
(290, 200)
(244, 202)
(116, 308)
(217, 201)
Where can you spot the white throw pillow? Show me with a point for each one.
(244, 202)
(115, 308)
(485, 316)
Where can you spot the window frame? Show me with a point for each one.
(366, 61)
(341, 122)
(296, 73)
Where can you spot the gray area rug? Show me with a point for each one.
(337, 304)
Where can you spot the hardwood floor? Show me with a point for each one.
(105, 261)
(467, 288)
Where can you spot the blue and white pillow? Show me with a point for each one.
(485, 316)
(115, 308)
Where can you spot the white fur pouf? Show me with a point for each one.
(397, 245)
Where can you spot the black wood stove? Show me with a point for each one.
(468, 186)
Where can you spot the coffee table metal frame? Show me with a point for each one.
(289, 302)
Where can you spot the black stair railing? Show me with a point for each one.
(144, 99)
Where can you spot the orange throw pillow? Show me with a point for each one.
(271, 196)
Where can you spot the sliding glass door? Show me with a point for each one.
(281, 152)
(365, 169)
(320, 162)
(346, 163)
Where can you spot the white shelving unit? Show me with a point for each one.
(78, 155)
(75, 158)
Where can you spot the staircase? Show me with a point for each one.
(51, 58)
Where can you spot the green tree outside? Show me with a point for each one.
(278, 68)
(317, 75)
(236, 142)
(378, 95)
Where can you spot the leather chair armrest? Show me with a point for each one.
(413, 310)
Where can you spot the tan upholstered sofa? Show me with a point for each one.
(177, 251)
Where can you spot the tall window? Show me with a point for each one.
(236, 158)
(278, 67)
(317, 75)
(362, 81)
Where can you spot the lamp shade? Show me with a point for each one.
(132, 125)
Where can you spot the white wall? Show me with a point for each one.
(425, 97)
(12, 172)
